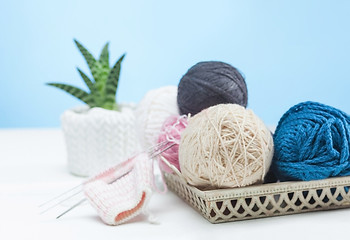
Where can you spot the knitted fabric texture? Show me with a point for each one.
(210, 83)
(225, 146)
(311, 143)
(126, 197)
(171, 134)
(155, 107)
(97, 138)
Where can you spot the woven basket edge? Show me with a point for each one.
(270, 188)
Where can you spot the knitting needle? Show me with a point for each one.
(62, 194)
(71, 208)
(151, 150)
(84, 199)
(155, 154)
(156, 151)
(157, 147)
(60, 202)
(67, 198)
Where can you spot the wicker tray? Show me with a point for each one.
(265, 200)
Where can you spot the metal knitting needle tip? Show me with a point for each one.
(62, 194)
(71, 208)
(84, 199)
(65, 199)
(153, 151)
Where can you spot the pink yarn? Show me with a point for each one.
(171, 133)
(127, 195)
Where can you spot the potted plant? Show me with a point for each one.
(101, 133)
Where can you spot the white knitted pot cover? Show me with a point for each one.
(97, 138)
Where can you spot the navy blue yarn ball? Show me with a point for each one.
(311, 142)
(210, 83)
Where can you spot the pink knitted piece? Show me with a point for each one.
(171, 133)
(126, 197)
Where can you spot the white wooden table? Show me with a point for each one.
(33, 169)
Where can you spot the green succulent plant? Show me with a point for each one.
(104, 83)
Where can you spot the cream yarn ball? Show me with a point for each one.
(155, 107)
(225, 146)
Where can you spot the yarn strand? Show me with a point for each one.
(312, 142)
(225, 146)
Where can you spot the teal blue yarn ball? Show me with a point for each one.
(311, 142)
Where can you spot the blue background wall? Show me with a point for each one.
(289, 51)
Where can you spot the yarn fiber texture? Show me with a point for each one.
(98, 138)
(225, 146)
(155, 107)
(311, 143)
(127, 196)
(171, 135)
(210, 83)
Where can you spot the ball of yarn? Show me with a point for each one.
(210, 83)
(155, 107)
(311, 142)
(171, 136)
(225, 146)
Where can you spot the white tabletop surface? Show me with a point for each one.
(33, 169)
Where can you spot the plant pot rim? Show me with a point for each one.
(85, 109)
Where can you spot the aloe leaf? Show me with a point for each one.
(87, 80)
(76, 92)
(104, 56)
(94, 93)
(112, 81)
(101, 76)
(90, 60)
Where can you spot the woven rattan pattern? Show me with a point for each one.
(265, 200)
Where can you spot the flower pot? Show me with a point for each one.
(97, 138)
